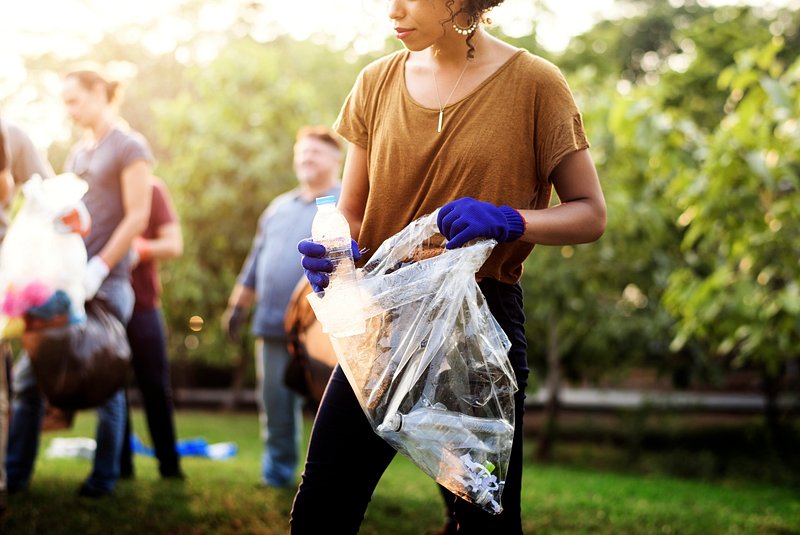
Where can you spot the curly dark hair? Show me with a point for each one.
(474, 10)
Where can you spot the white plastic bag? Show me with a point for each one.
(40, 254)
(71, 448)
(431, 372)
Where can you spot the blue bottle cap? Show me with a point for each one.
(328, 199)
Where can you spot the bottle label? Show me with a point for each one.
(338, 250)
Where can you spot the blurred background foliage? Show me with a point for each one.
(693, 116)
(692, 112)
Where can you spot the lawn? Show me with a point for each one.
(221, 496)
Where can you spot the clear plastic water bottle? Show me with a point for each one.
(443, 426)
(330, 228)
(443, 440)
(341, 313)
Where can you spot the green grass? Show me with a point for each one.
(221, 497)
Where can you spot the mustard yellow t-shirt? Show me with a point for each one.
(498, 144)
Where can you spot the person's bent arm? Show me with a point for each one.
(168, 242)
(355, 188)
(136, 203)
(242, 296)
(581, 215)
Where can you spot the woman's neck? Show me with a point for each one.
(99, 129)
(451, 52)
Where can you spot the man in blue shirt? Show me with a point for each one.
(267, 280)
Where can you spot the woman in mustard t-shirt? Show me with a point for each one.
(463, 121)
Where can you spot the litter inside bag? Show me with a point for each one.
(43, 251)
(80, 365)
(431, 370)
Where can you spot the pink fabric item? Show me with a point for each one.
(34, 294)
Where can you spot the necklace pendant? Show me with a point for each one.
(441, 112)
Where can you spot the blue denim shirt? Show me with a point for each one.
(272, 269)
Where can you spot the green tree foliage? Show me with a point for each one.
(681, 49)
(640, 149)
(148, 77)
(698, 267)
(605, 302)
(608, 294)
(620, 47)
(738, 291)
(229, 140)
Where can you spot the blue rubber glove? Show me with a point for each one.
(316, 266)
(465, 219)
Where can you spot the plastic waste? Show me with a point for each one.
(431, 369)
(220, 451)
(330, 228)
(71, 448)
(343, 300)
(43, 251)
(191, 447)
(438, 434)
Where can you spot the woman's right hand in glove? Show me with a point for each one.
(316, 266)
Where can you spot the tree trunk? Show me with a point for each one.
(239, 374)
(547, 435)
(771, 387)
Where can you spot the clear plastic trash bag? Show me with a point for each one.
(431, 370)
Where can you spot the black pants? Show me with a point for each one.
(151, 368)
(346, 459)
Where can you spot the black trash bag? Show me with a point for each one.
(80, 366)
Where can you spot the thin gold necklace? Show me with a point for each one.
(439, 100)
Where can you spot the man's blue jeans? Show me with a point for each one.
(280, 412)
(28, 411)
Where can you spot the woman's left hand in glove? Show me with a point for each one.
(465, 219)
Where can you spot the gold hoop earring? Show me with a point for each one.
(472, 24)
